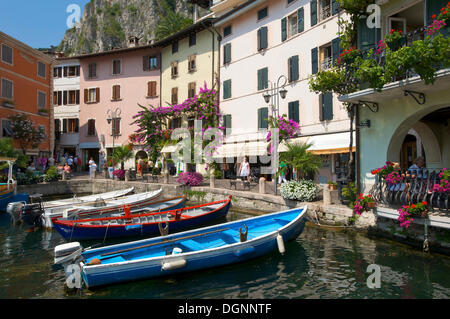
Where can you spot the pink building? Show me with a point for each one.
(115, 81)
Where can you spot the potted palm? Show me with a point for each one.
(298, 157)
(332, 185)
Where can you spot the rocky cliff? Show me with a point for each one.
(107, 24)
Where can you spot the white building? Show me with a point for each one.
(265, 40)
(66, 101)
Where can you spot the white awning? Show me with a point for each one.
(324, 144)
(90, 145)
(256, 148)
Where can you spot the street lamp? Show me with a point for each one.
(272, 97)
(113, 116)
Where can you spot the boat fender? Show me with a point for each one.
(180, 263)
(280, 244)
(243, 236)
(164, 231)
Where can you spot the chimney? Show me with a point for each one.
(133, 41)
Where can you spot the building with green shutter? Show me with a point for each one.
(407, 118)
(263, 40)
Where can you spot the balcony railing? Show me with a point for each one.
(326, 63)
(417, 186)
(325, 12)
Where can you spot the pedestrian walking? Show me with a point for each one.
(92, 168)
(244, 168)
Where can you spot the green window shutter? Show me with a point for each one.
(227, 53)
(262, 79)
(283, 29)
(326, 106)
(313, 4)
(262, 38)
(293, 68)
(367, 37)
(227, 89)
(335, 7)
(293, 108)
(301, 20)
(227, 121)
(434, 7)
(335, 49)
(263, 115)
(314, 60)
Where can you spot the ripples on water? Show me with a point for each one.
(320, 263)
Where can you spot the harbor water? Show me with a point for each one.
(320, 263)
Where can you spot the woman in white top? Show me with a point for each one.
(244, 168)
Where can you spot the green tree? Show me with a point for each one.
(299, 158)
(23, 131)
(122, 154)
(170, 21)
(7, 150)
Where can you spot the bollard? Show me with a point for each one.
(262, 185)
(64, 176)
(127, 175)
(166, 177)
(326, 195)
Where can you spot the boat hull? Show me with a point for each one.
(70, 232)
(123, 271)
(7, 197)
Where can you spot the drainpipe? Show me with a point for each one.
(357, 155)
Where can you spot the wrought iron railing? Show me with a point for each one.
(326, 63)
(417, 185)
(325, 12)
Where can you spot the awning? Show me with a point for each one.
(169, 148)
(336, 143)
(90, 145)
(256, 148)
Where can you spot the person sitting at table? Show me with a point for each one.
(417, 169)
(67, 168)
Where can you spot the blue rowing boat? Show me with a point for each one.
(187, 251)
(144, 223)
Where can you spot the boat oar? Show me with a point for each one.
(164, 242)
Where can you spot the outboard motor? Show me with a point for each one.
(67, 253)
(31, 214)
(15, 210)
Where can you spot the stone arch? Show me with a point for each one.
(428, 137)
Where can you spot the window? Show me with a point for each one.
(117, 67)
(175, 123)
(73, 97)
(191, 89)
(262, 13)
(73, 71)
(42, 70)
(227, 89)
(263, 79)
(192, 66)
(91, 127)
(293, 70)
(175, 47)
(41, 100)
(6, 128)
(92, 95)
(263, 115)
(227, 53)
(151, 63)
(325, 58)
(72, 126)
(7, 54)
(293, 24)
(192, 39)
(116, 92)
(293, 110)
(174, 67)
(290, 1)
(57, 126)
(57, 72)
(262, 38)
(324, 9)
(115, 127)
(174, 96)
(326, 106)
(7, 89)
(226, 31)
(151, 89)
(92, 70)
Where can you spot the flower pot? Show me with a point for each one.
(371, 205)
(332, 187)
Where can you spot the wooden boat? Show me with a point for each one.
(187, 251)
(8, 190)
(39, 213)
(99, 206)
(148, 223)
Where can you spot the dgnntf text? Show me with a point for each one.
(260, 308)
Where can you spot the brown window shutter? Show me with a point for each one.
(146, 63)
(97, 94)
(117, 91)
(151, 88)
(158, 61)
(86, 95)
(154, 89)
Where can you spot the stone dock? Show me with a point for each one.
(325, 212)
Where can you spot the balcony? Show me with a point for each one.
(326, 63)
(325, 12)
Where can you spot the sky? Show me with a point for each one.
(37, 23)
